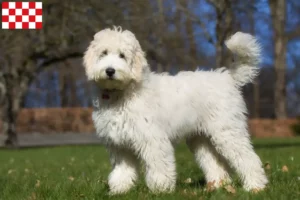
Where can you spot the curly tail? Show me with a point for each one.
(246, 52)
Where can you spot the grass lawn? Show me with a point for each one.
(80, 172)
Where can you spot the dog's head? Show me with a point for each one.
(114, 59)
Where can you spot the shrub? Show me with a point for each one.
(296, 127)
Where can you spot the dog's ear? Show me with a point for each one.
(139, 64)
(88, 60)
(89, 56)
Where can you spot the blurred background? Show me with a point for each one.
(44, 91)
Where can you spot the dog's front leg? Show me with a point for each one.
(158, 156)
(124, 173)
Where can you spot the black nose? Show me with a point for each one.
(110, 71)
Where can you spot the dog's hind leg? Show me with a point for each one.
(213, 165)
(124, 173)
(234, 144)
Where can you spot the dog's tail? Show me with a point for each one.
(246, 52)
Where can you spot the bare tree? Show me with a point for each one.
(26, 54)
(278, 14)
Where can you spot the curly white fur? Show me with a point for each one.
(247, 52)
(141, 114)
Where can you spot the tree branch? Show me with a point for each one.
(195, 19)
(54, 60)
(290, 35)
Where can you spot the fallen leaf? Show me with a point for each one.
(188, 180)
(284, 168)
(230, 189)
(10, 171)
(222, 183)
(210, 186)
(38, 183)
(71, 178)
(81, 195)
(267, 165)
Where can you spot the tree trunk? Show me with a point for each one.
(10, 117)
(15, 81)
(11, 108)
(71, 83)
(224, 28)
(256, 84)
(278, 12)
(162, 25)
(191, 38)
(256, 98)
(3, 91)
(179, 43)
(50, 93)
(63, 87)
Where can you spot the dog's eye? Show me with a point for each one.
(104, 53)
(122, 55)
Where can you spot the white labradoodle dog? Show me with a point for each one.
(142, 114)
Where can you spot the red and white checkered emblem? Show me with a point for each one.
(22, 15)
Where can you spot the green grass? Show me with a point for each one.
(80, 172)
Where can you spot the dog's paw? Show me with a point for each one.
(119, 189)
(159, 182)
(121, 181)
(256, 185)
